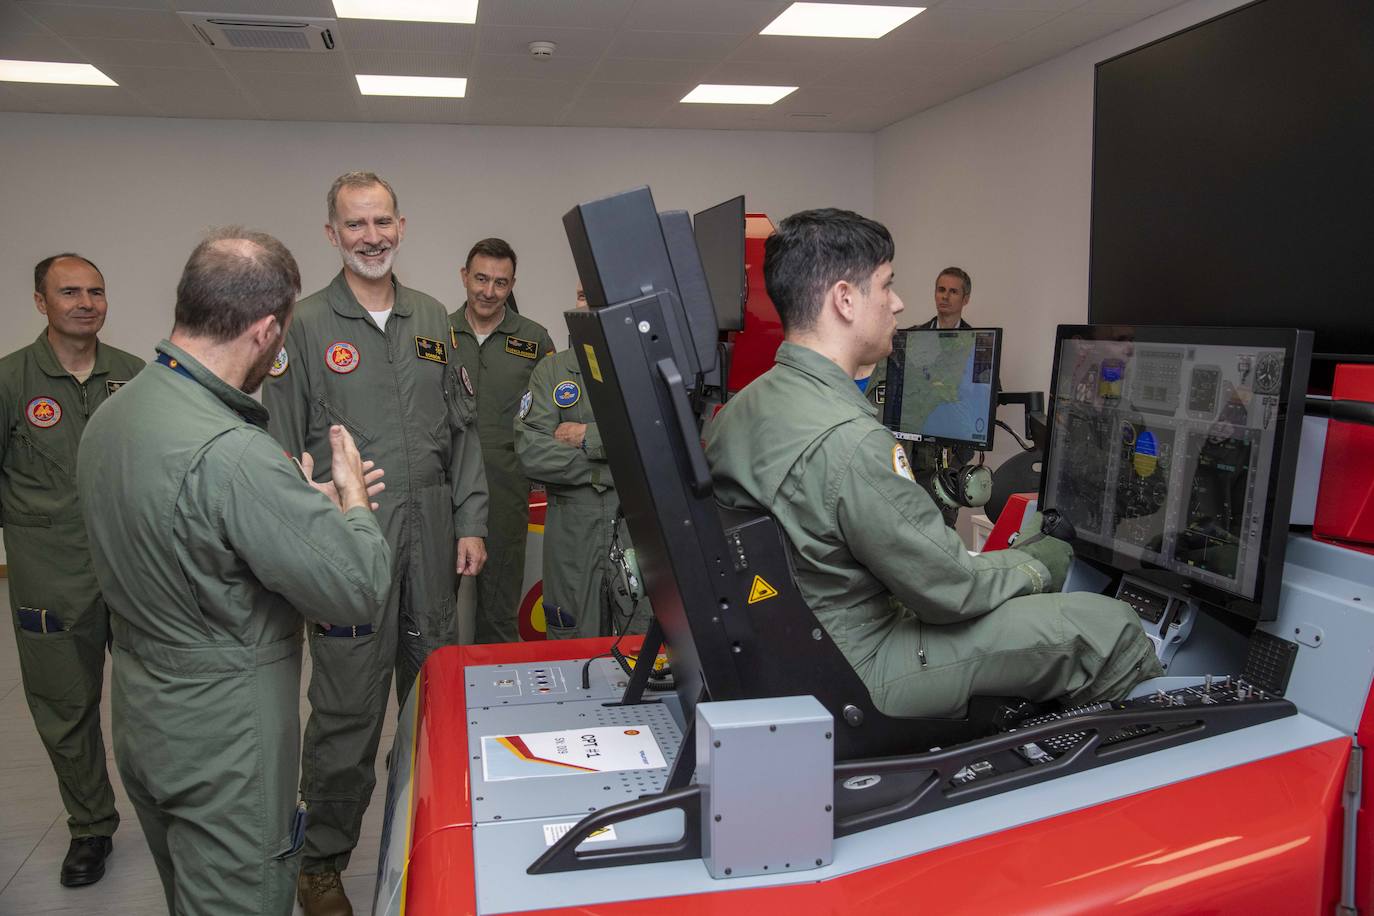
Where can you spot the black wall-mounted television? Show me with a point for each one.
(1233, 179)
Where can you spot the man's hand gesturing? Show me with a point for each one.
(354, 482)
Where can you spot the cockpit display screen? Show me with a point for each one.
(942, 385)
(1165, 450)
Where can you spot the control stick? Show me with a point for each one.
(1056, 525)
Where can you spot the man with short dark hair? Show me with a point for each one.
(500, 348)
(375, 356)
(925, 625)
(206, 539)
(48, 391)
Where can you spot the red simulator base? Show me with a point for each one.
(1264, 837)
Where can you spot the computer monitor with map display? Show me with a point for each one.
(1173, 450)
(942, 385)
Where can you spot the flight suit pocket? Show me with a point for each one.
(461, 407)
(458, 415)
(344, 673)
(51, 667)
(295, 840)
(360, 434)
(31, 459)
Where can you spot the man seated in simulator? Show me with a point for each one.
(925, 625)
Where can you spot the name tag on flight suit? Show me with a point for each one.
(432, 350)
(526, 348)
(111, 386)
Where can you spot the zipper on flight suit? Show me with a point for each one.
(25, 439)
(921, 642)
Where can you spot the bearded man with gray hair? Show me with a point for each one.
(376, 357)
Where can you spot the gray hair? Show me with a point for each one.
(356, 180)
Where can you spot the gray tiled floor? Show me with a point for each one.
(33, 831)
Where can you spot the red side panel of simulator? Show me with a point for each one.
(1345, 502)
(762, 334)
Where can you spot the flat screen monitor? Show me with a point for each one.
(1173, 450)
(720, 239)
(942, 385)
(621, 253)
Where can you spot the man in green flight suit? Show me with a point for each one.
(500, 347)
(558, 444)
(205, 540)
(374, 356)
(48, 391)
(925, 625)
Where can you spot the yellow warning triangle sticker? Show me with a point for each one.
(761, 591)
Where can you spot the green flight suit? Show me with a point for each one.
(206, 540)
(401, 394)
(61, 624)
(583, 505)
(924, 624)
(501, 367)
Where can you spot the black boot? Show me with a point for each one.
(85, 861)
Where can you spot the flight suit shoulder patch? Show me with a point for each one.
(518, 346)
(341, 357)
(433, 350)
(566, 393)
(113, 385)
(279, 364)
(44, 412)
(526, 401)
(880, 393)
(901, 465)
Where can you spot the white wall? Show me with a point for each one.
(999, 182)
(134, 194)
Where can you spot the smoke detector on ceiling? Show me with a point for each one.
(543, 50)
(228, 32)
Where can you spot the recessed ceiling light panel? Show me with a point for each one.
(459, 11)
(41, 71)
(721, 94)
(840, 20)
(436, 87)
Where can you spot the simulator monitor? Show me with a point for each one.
(942, 386)
(1173, 451)
(624, 250)
(720, 239)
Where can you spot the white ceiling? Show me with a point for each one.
(619, 63)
